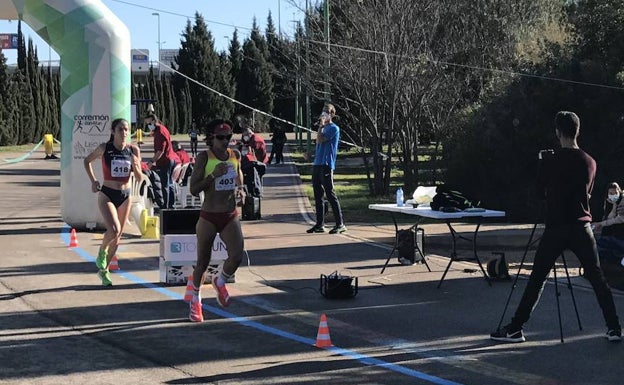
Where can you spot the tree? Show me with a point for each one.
(255, 85)
(509, 128)
(258, 39)
(198, 60)
(282, 59)
(413, 70)
(5, 101)
(53, 122)
(34, 76)
(226, 86)
(236, 60)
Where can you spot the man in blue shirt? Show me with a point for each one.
(327, 139)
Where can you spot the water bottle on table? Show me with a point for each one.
(399, 197)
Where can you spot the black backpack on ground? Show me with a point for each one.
(406, 246)
(497, 268)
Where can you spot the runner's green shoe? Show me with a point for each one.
(100, 261)
(105, 277)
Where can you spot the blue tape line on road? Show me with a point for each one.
(366, 360)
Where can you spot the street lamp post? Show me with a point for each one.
(159, 42)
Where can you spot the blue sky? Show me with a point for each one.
(221, 18)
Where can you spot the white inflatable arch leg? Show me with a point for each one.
(94, 48)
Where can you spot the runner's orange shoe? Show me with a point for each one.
(196, 314)
(223, 297)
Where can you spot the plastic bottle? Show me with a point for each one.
(399, 197)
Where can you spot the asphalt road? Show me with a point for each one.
(58, 325)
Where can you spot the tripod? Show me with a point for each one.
(530, 243)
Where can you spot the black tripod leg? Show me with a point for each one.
(418, 249)
(396, 242)
(453, 252)
(388, 259)
(557, 294)
(476, 256)
(513, 286)
(565, 265)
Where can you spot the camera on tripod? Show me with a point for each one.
(545, 154)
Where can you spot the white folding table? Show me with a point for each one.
(448, 218)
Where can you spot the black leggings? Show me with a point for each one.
(117, 197)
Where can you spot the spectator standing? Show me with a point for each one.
(327, 139)
(165, 158)
(278, 139)
(193, 134)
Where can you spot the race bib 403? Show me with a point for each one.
(226, 182)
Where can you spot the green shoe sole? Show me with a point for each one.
(104, 275)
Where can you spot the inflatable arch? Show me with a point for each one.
(94, 48)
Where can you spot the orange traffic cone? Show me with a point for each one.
(114, 264)
(190, 291)
(322, 338)
(73, 240)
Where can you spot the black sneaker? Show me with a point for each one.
(316, 229)
(614, 335)
(507, 334)
(338, 229)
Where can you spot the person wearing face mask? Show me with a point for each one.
(610, 242)
(255, 144)
(165, 158)
(565, 180)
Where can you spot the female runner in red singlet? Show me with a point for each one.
(218, 174)
(119, 160)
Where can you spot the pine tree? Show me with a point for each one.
(169, 104)
(282, 58)
(21, 48)
(258, 39)
(5, 101)
(25, 122)
(255, 82)
(53, 125)
(199, 60)
(184, 106)
(236, 61)
(33, 75)
(226, 86)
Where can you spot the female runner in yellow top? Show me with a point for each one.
(218, 174)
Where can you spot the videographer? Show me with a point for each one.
(565, 179)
